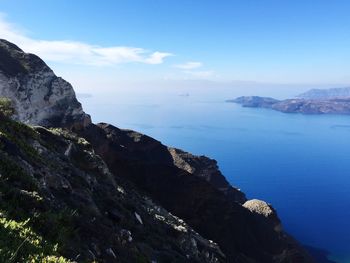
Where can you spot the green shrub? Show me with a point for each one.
(19, 134)
(19, 243)
(6, 107)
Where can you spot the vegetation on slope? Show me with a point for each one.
(22, 208)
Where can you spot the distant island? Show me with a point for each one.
(84, 95)
(316, 101)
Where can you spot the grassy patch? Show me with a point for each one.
(20, 135)
(31, 230)
(20, 243)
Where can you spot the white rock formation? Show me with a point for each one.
(38, 95)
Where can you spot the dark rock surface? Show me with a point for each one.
(206, 169)
(242, 234)
(131, 149)
(304, 106)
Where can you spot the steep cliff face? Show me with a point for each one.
(39, 96)
(242, 231)
(127, 147)
(100, 180)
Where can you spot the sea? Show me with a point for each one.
(298, 163)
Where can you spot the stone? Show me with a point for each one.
(110, 252)
(260, 207)
(138, 217)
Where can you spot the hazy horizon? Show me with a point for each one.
(123, 44)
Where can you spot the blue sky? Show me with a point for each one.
(264, 41)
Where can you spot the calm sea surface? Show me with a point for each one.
(298, 163)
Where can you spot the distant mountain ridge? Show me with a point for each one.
(314, 101)
(323, 94)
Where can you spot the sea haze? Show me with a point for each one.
(298, 163)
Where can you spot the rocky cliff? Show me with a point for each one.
(304, 106)
(39, 96)
(107, 191)
(242, 231)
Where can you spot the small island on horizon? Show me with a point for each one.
(315, 101)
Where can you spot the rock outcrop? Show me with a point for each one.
(38, 95)
(264, 211)
(206, 169)
(304, 106)
(117, 186)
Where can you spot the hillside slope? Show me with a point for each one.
(58, 198)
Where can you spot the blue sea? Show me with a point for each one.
(298, 163)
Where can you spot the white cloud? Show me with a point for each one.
(157, 57)
(78, 52)
(191, 69)
(200, 74)
(189, 65)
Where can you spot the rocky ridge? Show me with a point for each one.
(107, 180)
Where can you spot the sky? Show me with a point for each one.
(121, 42)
